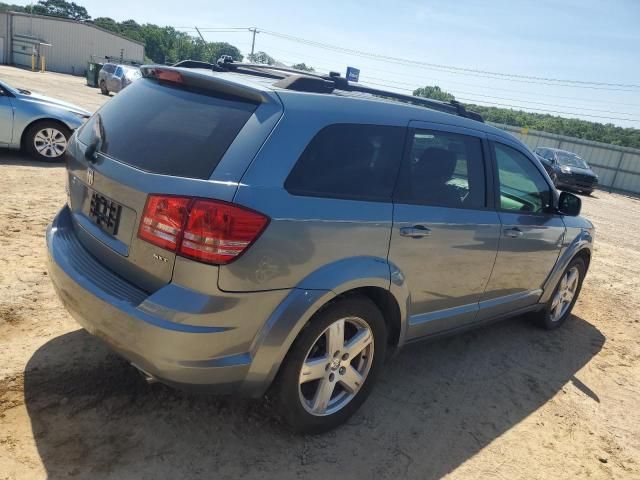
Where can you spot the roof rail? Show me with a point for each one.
(302, 81)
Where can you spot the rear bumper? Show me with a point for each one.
(180, 336)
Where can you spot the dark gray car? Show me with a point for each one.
(237, 229)
(567, 170)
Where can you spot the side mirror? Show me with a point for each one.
(569, 204)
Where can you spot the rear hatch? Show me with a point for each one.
(175, 132)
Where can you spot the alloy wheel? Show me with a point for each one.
(50, 142)
(565, 293)
(336, 366)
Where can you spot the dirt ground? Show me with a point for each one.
(508, 401)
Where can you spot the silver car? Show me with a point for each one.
(241, 228)
(113, 77)
(40, 125)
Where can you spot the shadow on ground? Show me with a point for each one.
(17, 157)
(437, 404)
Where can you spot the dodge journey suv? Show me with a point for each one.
(241, 229)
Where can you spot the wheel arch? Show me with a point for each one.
(371, 277)
(26, 128)
(580, 246)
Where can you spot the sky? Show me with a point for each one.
(577, 40)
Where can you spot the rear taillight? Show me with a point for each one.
(209, 231)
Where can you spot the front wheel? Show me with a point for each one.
(332, 365)
(564, 297)
(103, 88)
(47, 140)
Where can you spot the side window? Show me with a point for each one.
(522, 186)
(349, 161)
(443, 169)
(118, 72)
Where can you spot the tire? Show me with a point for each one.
(103, 88)
(46, 140)
(300, 403)
(550, 318)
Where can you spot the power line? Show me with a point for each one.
(422, 81)
(529, 108)
(459, 70)
(495, 97)
(525, 101)
(452, 69)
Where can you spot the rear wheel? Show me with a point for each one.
(103, 88)
(46, 140)
(332, 365)
(564, 296)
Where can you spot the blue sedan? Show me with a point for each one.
(40, 125)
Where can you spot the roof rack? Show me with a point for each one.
(302, 81)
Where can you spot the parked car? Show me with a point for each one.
(113, 77)
(220, 244)
(567, 170)
(40, 125)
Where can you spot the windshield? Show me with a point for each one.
(571, 160)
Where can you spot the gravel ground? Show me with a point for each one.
(507, 401)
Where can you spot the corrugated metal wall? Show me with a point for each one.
(73, 44)
(618, 168)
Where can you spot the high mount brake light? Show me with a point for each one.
(167, 75)
(209, 231)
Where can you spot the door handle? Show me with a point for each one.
(513, 232)
(417, 231)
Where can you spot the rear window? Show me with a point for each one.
(161, 128)
(349, 161)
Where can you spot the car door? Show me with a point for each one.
(445, 234)
(532, 233)
(6, 117)
(114, 79)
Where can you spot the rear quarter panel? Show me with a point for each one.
(306, 233)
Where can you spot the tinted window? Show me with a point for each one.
(109, 68)
(443, 169)
(164, 129)
(349, 161)
(118, 72)
(522, 186)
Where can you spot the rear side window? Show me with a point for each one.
(349, 161)
(166, 129)
(443, 169)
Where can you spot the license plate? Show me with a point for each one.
(105, 213)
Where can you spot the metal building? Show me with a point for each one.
(67, 45)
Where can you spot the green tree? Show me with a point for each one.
(434, 93)
(61, 8)
(9, 7)
(223, 48)
(107, 23)
(262, 57)
(303, 67)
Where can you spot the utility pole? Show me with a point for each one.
(213, 60)
(253, 42)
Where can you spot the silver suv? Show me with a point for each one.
(113, 78)
(240, 228)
